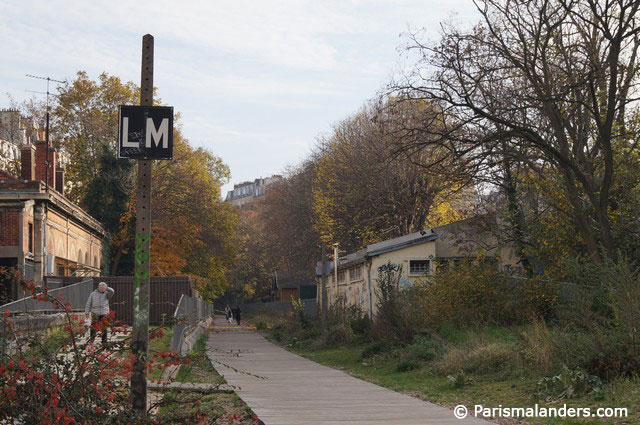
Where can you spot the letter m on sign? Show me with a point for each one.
(145, 132)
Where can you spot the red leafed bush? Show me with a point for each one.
(72, 382)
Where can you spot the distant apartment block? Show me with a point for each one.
(15, 131)
(246, 192)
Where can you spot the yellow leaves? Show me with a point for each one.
(450, 206)
(85, 119)
(170, 245)
(193, 228)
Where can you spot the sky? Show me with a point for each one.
(256, 82)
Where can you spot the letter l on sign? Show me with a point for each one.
(125, 135)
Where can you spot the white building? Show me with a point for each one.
(246, 192)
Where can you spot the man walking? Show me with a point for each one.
(98, 306)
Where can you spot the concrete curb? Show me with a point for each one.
(192, 334)
(188, 386)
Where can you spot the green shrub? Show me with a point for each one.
(277, 334)
(407, 365)
(261, 326)
(339, 329)
(424, 349)
(451, 332)
(537, 347)
(600, 332)
(473, 293)
(397, 319)
(361, 325)
(478, 357)
(373, 349)
(339, 334)
(286, 328)
(490, 358)
(459, 379)
(568, 384)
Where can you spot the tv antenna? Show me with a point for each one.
(46, 130)
(48, 80)
(41, 92)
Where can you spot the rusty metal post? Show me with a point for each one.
(140, 338)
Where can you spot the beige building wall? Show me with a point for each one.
(74, 248)
(359, 290)
(402, 257)
(457, 240)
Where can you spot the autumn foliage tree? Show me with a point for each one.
(364, 191)
(192, 228)
(84, 121)
(355, 189)
(545, 88)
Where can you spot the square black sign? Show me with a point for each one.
(145, 132)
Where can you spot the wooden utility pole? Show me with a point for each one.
(323, 294)
(335, 270)
(140, 341)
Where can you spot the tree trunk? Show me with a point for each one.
(516, 217)
(116, 262)
(580, 218)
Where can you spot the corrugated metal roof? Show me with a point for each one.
(401, 242)
(374, 249)
(357, 257)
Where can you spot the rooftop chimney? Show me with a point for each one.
(28, 162)
(60, 180)
(41, 166)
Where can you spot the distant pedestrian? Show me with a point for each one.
(98, 307)
(228, 314)
(238, 314)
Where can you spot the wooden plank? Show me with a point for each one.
(283, 388)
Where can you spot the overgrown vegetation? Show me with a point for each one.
(551, 340)
(59, 378)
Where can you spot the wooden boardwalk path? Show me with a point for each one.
(291, 390)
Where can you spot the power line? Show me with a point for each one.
(48, 80)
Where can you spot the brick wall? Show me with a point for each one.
(9, 228)
(41, 171)
(28, 162)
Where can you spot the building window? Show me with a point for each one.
(341, 276)
(419, 266)
(31, 237)
(60, 270)
(355, 273)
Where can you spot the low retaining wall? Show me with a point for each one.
(184, 337)
(30, 324)
(36, 322)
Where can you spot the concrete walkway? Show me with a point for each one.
(283, 388)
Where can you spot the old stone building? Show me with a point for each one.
(42, 232)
